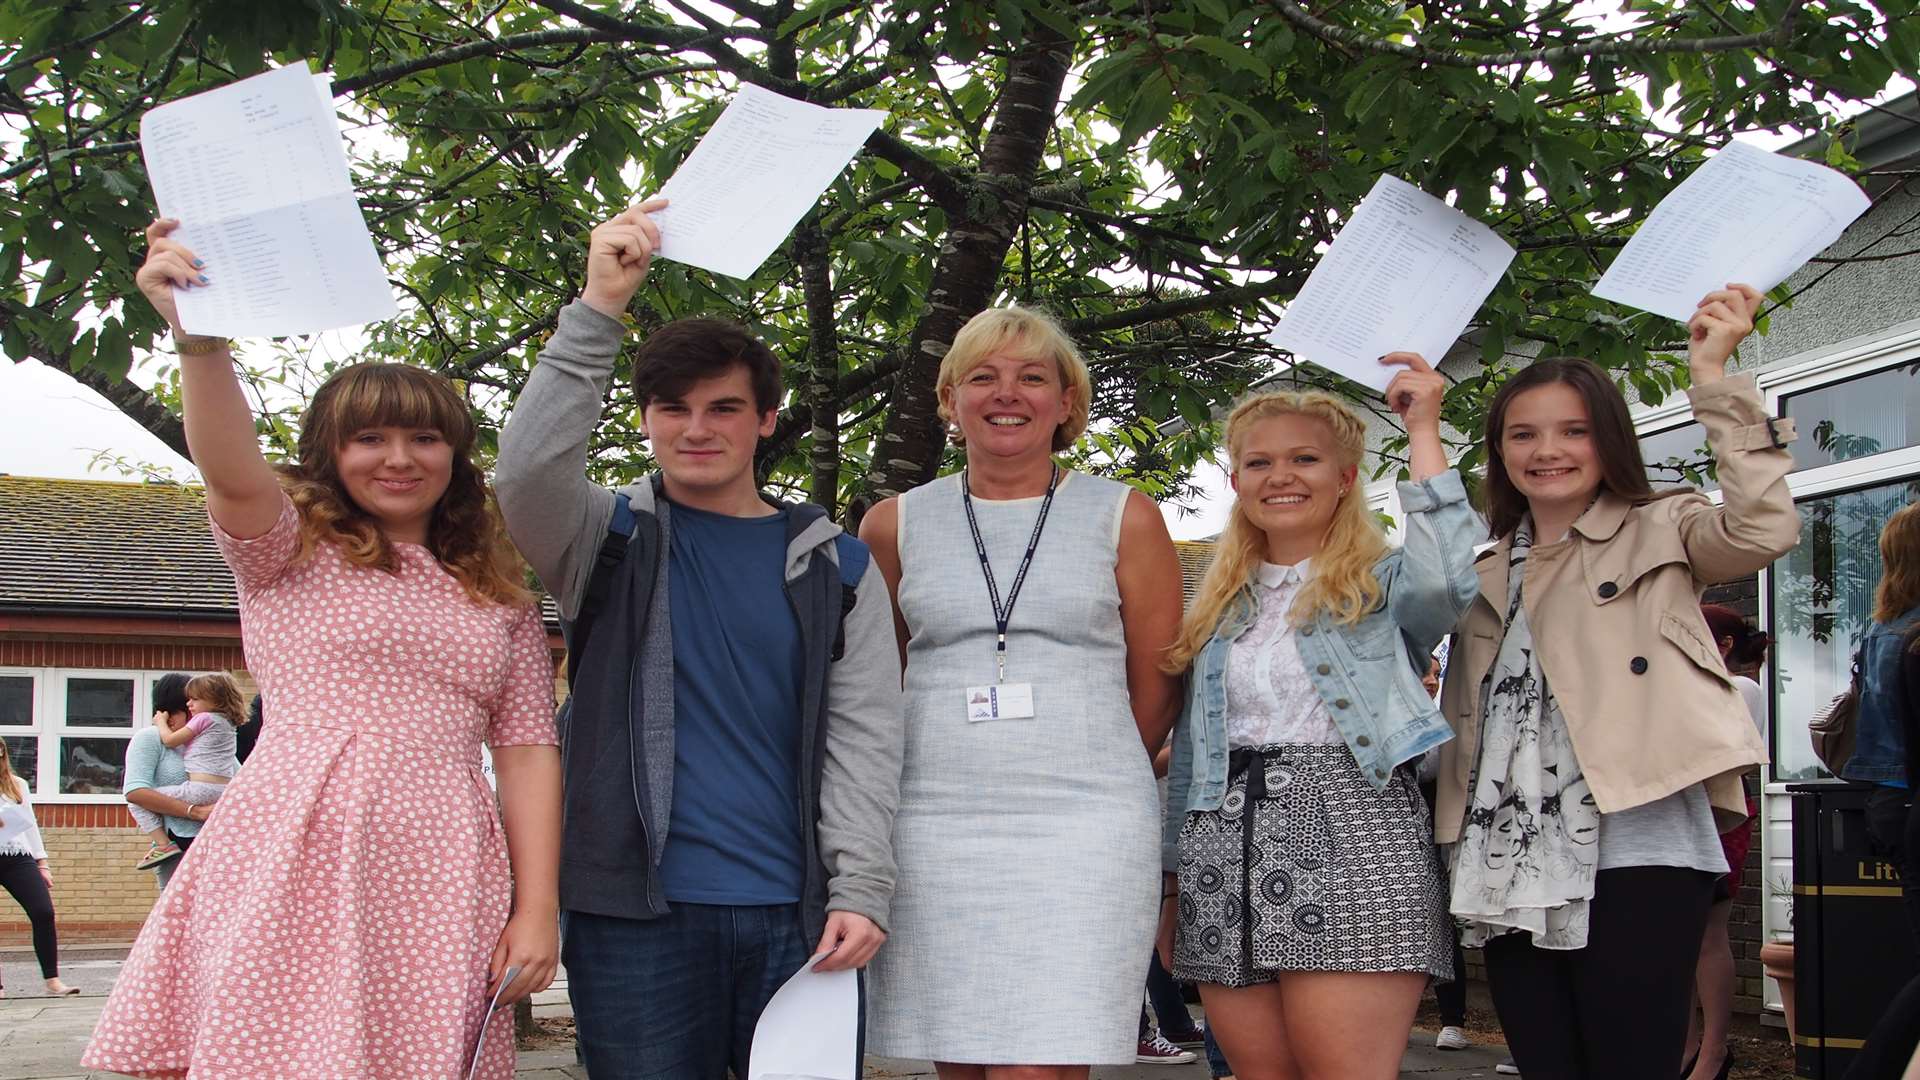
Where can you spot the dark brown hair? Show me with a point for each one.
(1750, 644)
(1622, 470)
(685, 351)
(464, 533)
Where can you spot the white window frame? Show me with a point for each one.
(50, 723)
(37, 728)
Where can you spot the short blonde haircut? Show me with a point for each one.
(1026, 332)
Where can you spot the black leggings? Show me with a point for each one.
(1617, 1008)
(20, 875)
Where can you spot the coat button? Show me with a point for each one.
(1380, 774)
(1341, 703)
(1639, 665)
(1306, 631)
(1363, 741)
(1324, 669)
(1607, 589)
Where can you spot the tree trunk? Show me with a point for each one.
(823, 366)
(969, 267)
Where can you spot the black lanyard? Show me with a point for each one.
(1004, 615)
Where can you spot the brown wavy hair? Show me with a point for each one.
(464, 533)
(1622, 470)
(1899, 588)
(220, 691)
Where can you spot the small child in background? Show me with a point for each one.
(217, 709)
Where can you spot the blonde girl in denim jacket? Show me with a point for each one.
(1302, 891)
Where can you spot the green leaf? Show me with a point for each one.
(1152, 104)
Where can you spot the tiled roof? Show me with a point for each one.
(1195, 557)
(79, 547)
(95, 546)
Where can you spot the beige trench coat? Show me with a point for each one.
(1615, 614)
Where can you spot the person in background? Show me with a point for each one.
(151, 765)
(1587, 874)
(1449, 994)
(249, 732)
(1881, 746)
(1306, 897)
(24, 873)
(1744, 649)
(206, 743)
(1892, 1050)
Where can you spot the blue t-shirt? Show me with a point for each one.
(736, 833)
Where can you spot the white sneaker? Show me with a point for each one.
(1452, 1038)
(1156, 1050)
(1507, 1068)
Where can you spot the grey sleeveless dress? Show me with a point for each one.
(1028, 886)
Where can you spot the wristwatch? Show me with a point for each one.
(199, 346)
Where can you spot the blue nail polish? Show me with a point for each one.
(203, 279)
(198, 263)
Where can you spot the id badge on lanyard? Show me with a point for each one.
(1002, 700)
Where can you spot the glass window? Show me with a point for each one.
(1857, 418)
(23, 753)
(1679, 456)
(16, 701)
(1822, 604)
(92, 766)
(99, 702)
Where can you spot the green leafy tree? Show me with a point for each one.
(1159, 173)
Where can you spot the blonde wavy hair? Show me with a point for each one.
(464, 534)
(1021, 331)
(1899, 588)
(1343, 582)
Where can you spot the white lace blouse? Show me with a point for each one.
(1270, 698)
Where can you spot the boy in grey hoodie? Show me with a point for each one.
(733, 738)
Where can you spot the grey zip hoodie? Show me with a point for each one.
(618, 732)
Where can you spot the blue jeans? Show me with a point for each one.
(676, 998)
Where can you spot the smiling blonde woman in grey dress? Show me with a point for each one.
(1025, 907)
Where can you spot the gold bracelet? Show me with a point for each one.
(199, 346)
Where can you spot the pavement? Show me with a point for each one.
(41, 1037)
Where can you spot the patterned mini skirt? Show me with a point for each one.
(1305, 867)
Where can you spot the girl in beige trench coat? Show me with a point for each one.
(1600, 738)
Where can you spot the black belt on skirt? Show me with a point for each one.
(1252, 762)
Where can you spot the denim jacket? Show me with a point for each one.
(1880, 745)
(1368, 673)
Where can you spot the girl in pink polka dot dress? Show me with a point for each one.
(354, 899)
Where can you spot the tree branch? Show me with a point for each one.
(1622, 46)
(1185, 305)
(78, 43)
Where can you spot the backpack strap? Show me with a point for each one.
(606, 564)
(853, 566)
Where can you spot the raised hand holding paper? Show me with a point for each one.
(257, 175)
(810, 1029)
(757, 172)
(1406, 272)
(1745, 215)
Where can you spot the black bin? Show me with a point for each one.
(1852, 948)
